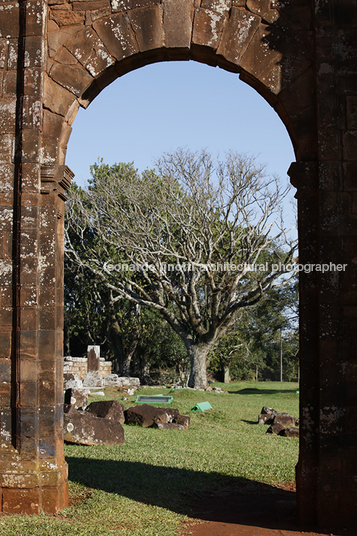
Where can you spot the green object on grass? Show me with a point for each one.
(201, 406)
(153, 399)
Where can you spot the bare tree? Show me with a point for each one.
(183, 240)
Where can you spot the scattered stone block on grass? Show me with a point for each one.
(172, 414)
(107, 409)
(275, 429)
(84, 428)
(290, 432)
(268, 411)
(266, 418)
(145, 415)
(76, 397)
(168, 426)
(182, 420)
(284, 419)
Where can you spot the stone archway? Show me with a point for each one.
(57, 55)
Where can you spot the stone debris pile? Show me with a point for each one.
(97, 425)
(280, 423)
(100, 423)
(150, 416)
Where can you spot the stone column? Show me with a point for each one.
(33, 472)
(304, 176)
(93, 358)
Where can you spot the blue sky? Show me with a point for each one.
(163, 106)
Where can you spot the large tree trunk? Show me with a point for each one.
(198, 356)
(124, 364)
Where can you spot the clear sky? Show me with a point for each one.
(163, 106)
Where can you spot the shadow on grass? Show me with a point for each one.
(250, 422)
(256, 391)
(197, 494)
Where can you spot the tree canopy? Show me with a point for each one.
(195, 240)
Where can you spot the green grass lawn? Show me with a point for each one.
(147, 486)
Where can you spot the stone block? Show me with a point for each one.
(93, 379)
(117, 35)
(56, 38)
(28, 344)
(54, 499)
(83, 428)
(177, 21)
(77, 398)
(28, 392)
(237, 34)
(67, 17)
(9, 20)
(259, 57)
(172, 414)
(84, 5)
(168, 426)
(290, 432)
(21, 501)
(351, 104)
(28, 370)
(208, 26)
(5, 393)
(5, 345)
(31, 145)
(284, 419)
(35, 51)
(125, 5)
(12, 54)
(5, 370)
(65, 57)
(93, 358)
(7, 115)
(147, 25)
(7, 146)
(220, 6)
(74, 383)
(349, 145)
(9, 84)
(108, 409)
(30, 180)
(259, 7)
(145, 415)
(36, 14)
(182, 420)
(31, 112)
(268, 411)
(3, 53)
(100, 13)
(75, 79)
(111, 379)
(266, 418)
(275, 429)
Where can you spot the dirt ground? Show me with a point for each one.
(252, 513)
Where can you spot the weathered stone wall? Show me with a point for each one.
(79, 366)
(57, 55)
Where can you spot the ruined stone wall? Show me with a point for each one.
(79, 366)
(57, 55)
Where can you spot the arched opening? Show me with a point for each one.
(279, 49)
(227, 99)
(167, 105)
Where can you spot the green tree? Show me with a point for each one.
(187, 235)
(254, 343)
